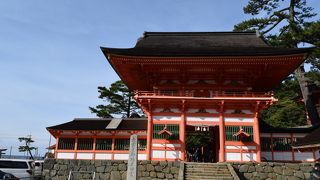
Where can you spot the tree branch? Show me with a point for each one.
(274, 25)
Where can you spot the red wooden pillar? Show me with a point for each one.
(94, 147)
(112, 146)
(75, 147)
(221, 138)
(56, 148)
(256, 136)
(182, 135)
(149, 135)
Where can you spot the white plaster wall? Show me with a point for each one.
(282, 156)
(103, 156)
(121, 156)
(249, 147)
(61, 155)
(299, 135)
(199, 119)
(243, 147)
(173, 145)
(142, 156)
(249, 156)
(84, 155)
(175, 110)
(247, 111)
(158, 154)
(303, 156)
(232, 147)
(173, 154)
(191, 110)
(267, 155)
(233, 156)
(213, 111)
(228, 119)
(166, 118)
(229, 111)
(265, 135)
(158, 110)
(166, 145)
(281, 135)
(159, 145)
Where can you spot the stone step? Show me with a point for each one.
(204, 164)
(208, 177)
(193, 165)
(208, 173)
(209, 169)
(215, 178)
(216, 167)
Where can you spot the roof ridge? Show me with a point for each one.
(109, 119)
(146, 33)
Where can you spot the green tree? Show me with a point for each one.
(285, 23)
(288, 112)
(26, 147)
(119, 102)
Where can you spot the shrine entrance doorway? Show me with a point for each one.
(202, 143)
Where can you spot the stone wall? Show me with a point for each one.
(273, 170)
(106, 169)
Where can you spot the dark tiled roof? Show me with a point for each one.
(101, 124)
(182, 44)
(310, 140)
(266, 128)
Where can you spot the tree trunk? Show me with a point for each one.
(30, 154)
(129, 105)
(307, 95)
(300, 72)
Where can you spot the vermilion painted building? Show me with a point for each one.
(216, 82)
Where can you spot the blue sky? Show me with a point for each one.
(51, 64)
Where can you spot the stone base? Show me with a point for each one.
(106, 169)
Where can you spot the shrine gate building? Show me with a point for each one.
(214, 83)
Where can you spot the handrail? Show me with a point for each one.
(209, 94)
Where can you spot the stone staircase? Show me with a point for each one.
(207, 171)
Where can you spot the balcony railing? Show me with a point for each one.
(202, 94)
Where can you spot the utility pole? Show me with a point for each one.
(2, 152)
(10, 152)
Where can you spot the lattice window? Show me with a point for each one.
(174, 128)
(122, 144)
(85, 144)
(231, 130)
(282, 144)
(66, 143)
(249, 130)
(142, 144)
(265, 143)
(103, 144)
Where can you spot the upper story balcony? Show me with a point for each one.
(204, 94)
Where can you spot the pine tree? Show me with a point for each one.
(119, 102)
(27, 145)
(285, 23)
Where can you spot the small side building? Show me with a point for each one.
(98, 138)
